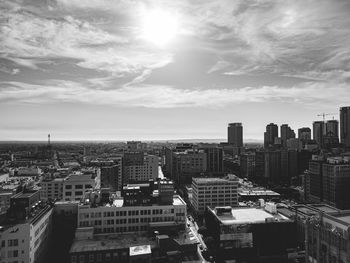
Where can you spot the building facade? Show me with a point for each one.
(214, 192)
(235, 134)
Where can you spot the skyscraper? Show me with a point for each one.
(319, 131)
(286, 133)
(270, 134)
(345, 126)
(235, 134)
(304, 134)
(332, 128)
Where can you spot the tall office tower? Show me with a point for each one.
(111, 178)
(345, 126)
(270, 134)
(336, 182)
(286, 133)
(332, 128)
(247, 166)
(319, 131)
(304, 134)
(235, 134)
(331, 137)
(214, 159)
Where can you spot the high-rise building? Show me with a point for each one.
(270, 134)
(329, 181)
(319, 131)
(111, 177)
(214, 192)
(332, 128)
(247, 165)
(188, 164)
(286, 133)
(235, 134)
(331, 137)
(304, 134)
(345, 126)
(137, 173)
(214, 159)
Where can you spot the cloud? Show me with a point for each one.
(150, 96)
(28, 38)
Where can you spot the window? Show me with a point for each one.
(81, 259)
(99, 258)
(79, 193)
(74, 259)
(68, 193)
(79, 186)
(68, 187)
(91, 258)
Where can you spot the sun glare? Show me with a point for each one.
(159, 27)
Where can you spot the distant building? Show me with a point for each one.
(76, 185)
(294, 144)
(304, 134)
(235, 134)
(345, 126)
(247, 165)
(214, 192)
(111, 177)
(319, 131)
(270, 135)
(188, 164)
(142, 171)
(52, 189)
(214, 161)
(286, 133)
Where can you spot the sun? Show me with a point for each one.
(159, 27)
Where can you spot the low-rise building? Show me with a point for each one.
(75, 186)
(52, 189)
(214, 192)
(250, 234)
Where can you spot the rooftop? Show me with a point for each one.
(112, 242)
(248, 215)
(140, 250)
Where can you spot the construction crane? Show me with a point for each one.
(326, 114)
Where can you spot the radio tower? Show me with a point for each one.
(48, 139)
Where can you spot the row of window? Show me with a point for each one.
(98, 257)
(129, 213)
(78, 186)
(129, 221)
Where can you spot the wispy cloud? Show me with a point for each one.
(168, 97)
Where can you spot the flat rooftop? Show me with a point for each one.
(204, 180)
(248, 216)
(112, 242)
(140, 250)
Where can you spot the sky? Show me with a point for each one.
(148, 70)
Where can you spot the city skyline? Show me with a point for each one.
(157, 70)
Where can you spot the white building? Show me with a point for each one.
(116, 218)
(149, 169)
(52, 189)
(24, 242)
(214, 192)
(76, 185)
